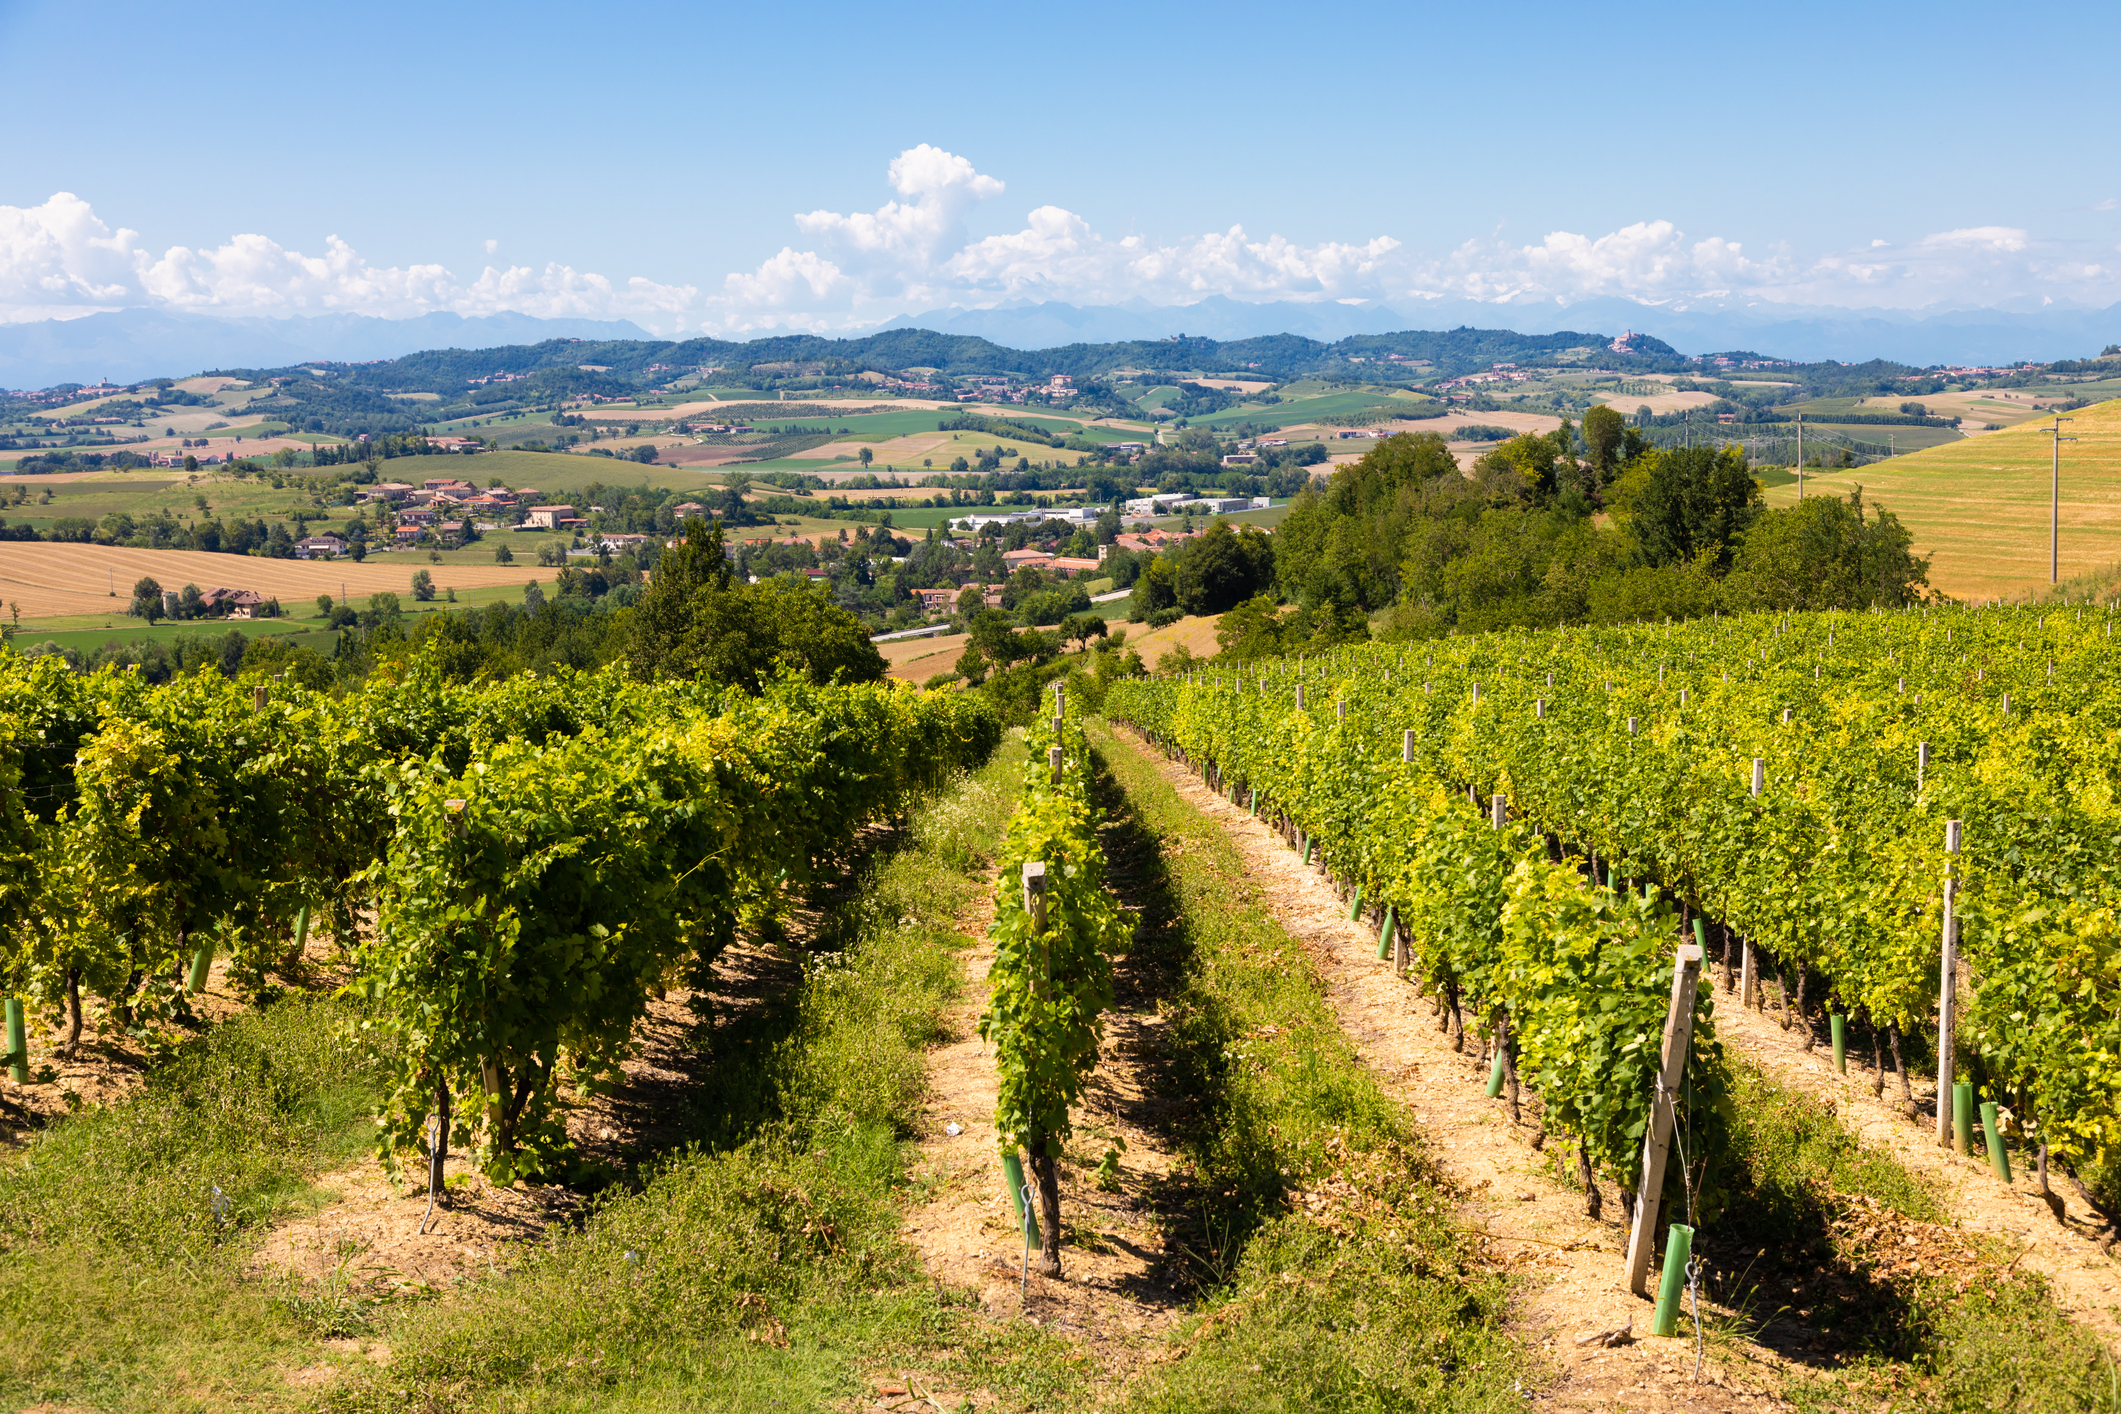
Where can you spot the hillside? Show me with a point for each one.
(1980, 506)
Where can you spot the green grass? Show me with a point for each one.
(83, 632)
(120, 1282)
(1375, 1298)
(1772, 1248)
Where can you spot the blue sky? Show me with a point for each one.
(702, 167)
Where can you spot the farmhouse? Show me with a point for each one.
(547, 517)
(315, 547)
(234, 603)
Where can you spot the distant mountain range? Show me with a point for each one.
(1807, 334)
(136, 344)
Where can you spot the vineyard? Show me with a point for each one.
(1606, 861)
(515, 868)
(1776, 789)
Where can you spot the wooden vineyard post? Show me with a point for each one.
(1045, 1172)
(1053, 759)
(1749, 973)
(1678, 1041)
(1947, 990)
(17, 1042)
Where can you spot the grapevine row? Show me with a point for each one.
(1638, 749)
(514, 868)
(1056, 931)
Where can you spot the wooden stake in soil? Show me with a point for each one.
(1947, 989)
(1045, 1173)
(1678, 1041)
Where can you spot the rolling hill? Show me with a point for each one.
(1980, 506)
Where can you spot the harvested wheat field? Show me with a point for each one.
(47, 580)
(1980, 506)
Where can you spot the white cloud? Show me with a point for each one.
(60, 259)
(916, 252)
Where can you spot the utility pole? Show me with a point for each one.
(1800, 456)
(2054, 505)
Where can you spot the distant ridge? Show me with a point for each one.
(133, 344)
(1803, 333)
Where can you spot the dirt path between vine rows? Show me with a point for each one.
(1533, 1223)
(2061, 1247)
(1114, 1296)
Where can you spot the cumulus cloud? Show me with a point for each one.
(60, 259)
(916, 251)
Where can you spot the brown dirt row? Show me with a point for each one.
(1115, 1296)
(1533, 1223)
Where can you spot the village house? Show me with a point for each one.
(547, 517)
(1068, 566)
(317, 547)
(232, 603)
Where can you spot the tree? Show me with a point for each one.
(147, 600)
(1253, 629)
(423, 586)
(1603, 428)
(1223, 568)
(1680, 504)
(502, 555)
(1824, 554)
(1153, 589)
(696, 622)
(190, 602)
(1079, 629)
(324, 603)
(866, 456)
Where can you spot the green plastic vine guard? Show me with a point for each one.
(1384, 936)
(1013, 1175)
(1999, 1158)
(1495, 1074)
(1355, 908)
(1839, 1025)
(17, 1042)
(1963, 1116)
(201, 962)
(1307, 848)
(1671, 1283)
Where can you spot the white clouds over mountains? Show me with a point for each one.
(916, 252)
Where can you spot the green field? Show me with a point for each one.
(1288, 414)
(304, 625)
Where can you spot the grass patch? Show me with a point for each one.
(1811, 1243)
(123, 1230)
(1332, 1274)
